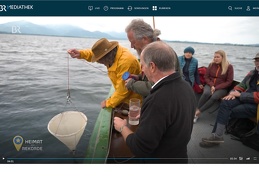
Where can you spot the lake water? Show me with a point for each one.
(34, 83)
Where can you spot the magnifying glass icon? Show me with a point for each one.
(230, 8)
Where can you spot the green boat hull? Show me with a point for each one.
(98, 147)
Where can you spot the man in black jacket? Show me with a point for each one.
(166, 119)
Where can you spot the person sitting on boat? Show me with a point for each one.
(189, 67)
(219, 77)
(140, 34)
(241, 102)
(166, 120)
(118, 60)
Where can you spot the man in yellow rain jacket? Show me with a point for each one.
(118, 60)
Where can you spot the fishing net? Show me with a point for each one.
(68, 126)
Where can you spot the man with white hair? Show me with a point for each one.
(140, 34)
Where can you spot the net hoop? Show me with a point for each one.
(62, 114)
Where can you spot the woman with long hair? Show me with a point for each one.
(219, 77)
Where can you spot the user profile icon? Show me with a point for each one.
(230, 8)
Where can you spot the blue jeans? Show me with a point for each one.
(234, 109)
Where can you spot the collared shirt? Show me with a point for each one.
(158, 81)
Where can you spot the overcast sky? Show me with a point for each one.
(239, 30)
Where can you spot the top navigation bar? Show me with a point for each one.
(133, 0)
(129, 8)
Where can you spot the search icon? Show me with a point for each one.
(230, 8)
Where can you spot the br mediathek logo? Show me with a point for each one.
(2, 8)
(17, 142)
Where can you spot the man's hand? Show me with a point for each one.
(232, 95)
(103, 104)
(74, 53)
(118, 123)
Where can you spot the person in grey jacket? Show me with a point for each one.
(166, 119)
(140, 34)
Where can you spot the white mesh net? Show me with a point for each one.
(68, 127)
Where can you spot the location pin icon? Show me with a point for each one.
(18, 141)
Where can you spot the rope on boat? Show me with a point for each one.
(68, 89)
(68, 85)
(95, 67)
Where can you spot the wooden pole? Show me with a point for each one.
(154, 26)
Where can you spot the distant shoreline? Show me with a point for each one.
(187, 42)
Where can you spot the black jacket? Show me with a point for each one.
(166, 123)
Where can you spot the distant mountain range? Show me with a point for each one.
(24, 27)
